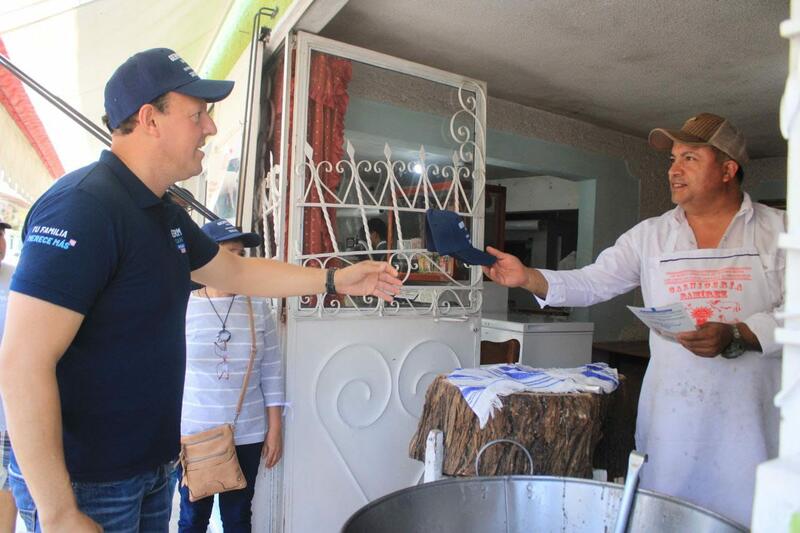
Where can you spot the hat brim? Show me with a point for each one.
(473, 256)
(249, 240)
(5, 225)
(663, 139)
(208, 90)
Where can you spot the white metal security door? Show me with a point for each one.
(356, 391)
(396, 139)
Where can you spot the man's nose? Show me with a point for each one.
(674, 168)
(209, 128)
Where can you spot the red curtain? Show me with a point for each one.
(327, 106)
(328, 100)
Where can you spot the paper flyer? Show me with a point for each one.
(667, 321)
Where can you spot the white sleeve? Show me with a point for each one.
(271, 361)
(763, 324)
(616, 271)
(763, 327)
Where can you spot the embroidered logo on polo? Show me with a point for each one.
(177, 236)
(50, 236)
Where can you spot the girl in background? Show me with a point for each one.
(218, 344)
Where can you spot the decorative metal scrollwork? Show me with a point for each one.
(447, 301)
(458, 186)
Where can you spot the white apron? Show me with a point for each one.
(706, 423)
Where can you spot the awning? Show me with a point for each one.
(72, 46)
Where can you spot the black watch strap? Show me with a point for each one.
(330, 287)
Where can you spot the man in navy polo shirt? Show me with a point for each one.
(92, 363)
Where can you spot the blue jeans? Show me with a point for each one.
(139, 503)
(5, 458)
(234, 506)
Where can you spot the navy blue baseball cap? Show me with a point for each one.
(221, 230)
(446, 234)
(147, 75)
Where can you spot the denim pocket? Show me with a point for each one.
(23, 499)
(138, 503)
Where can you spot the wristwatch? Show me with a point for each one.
(330, 287)
(736, 346)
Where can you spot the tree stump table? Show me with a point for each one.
(561, 432)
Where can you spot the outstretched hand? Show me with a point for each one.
(377, 278)
(507, 270)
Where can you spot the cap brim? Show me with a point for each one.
(473, 256)
(5, 225)
(662, 139)
(208, 90)
(249, 240)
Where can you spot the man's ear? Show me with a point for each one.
(729, 170)
(148, 120)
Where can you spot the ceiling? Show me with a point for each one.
(629, 65)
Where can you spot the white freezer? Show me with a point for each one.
(545, 341)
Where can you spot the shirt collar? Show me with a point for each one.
(142, 196)
(745, 210)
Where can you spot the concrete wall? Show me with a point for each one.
(539, 193)
(765, 179)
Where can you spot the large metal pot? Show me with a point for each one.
(526, 504)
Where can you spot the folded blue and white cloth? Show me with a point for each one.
(482, 387)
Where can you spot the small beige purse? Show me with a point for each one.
(208, 458)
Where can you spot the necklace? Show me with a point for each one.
(223, 336)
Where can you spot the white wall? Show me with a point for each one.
(539, 193)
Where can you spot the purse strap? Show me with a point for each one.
(250, 363)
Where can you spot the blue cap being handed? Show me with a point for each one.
(447, 234)
(147, 75)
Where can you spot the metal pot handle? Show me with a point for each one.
(497, 441)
